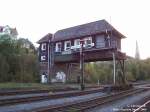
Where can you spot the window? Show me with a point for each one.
(88, 41)
(67, 45)
(77, 42)
(43, 58)
(58, 47)
(43, 46)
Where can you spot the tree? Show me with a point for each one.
(19, 63)
(101, 71)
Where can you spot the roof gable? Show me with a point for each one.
(85, 30)
(46, 38)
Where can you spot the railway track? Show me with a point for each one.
(13, 101)
(29, 91)
(15, 92)
(6, 92)
(79, 106)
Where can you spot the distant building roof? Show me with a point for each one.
(8, 30)
(14, 31)
(88, 29)
(46, 38)
(1, 28)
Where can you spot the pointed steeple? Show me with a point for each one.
(137, 53)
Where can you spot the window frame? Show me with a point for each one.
(43, 46)
(57, 48)
(75, 42)
(65, 45)
(43, 58)
(87, 38)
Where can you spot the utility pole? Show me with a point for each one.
(51, 61)
(48, 56)
(82, 65)
(114, 71)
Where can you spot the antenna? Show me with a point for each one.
(110, 30)
(108, 36)
(110, 23)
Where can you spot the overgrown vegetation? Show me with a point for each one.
(99, 71)
(135, 70)
(138, 69)
(18, 60)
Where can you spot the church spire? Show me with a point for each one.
(137, 53)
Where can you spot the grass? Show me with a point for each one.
(10, 85)
(13, 85)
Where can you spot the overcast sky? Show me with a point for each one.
(35, 18)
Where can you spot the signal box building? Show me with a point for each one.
(59, 50)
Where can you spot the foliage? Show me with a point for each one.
(18, 62)
(135, 70)
(99, 71)
(138, 69)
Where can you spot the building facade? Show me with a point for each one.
(59, 51)
(43, 52)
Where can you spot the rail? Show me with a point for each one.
(88, 104)
(13, 101)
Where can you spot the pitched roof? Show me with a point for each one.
(85, 30)
(46, 38)
(1, 28)
(14, 31)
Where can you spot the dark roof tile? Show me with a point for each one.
(46, 38)
(85, 30)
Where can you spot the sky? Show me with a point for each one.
(35, 18)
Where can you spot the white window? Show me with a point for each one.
(43, 58)
(67, 45)
(88, 41)
(58, 47)
(43, 46)
(77, 42)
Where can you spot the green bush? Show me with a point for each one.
(16, 64)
